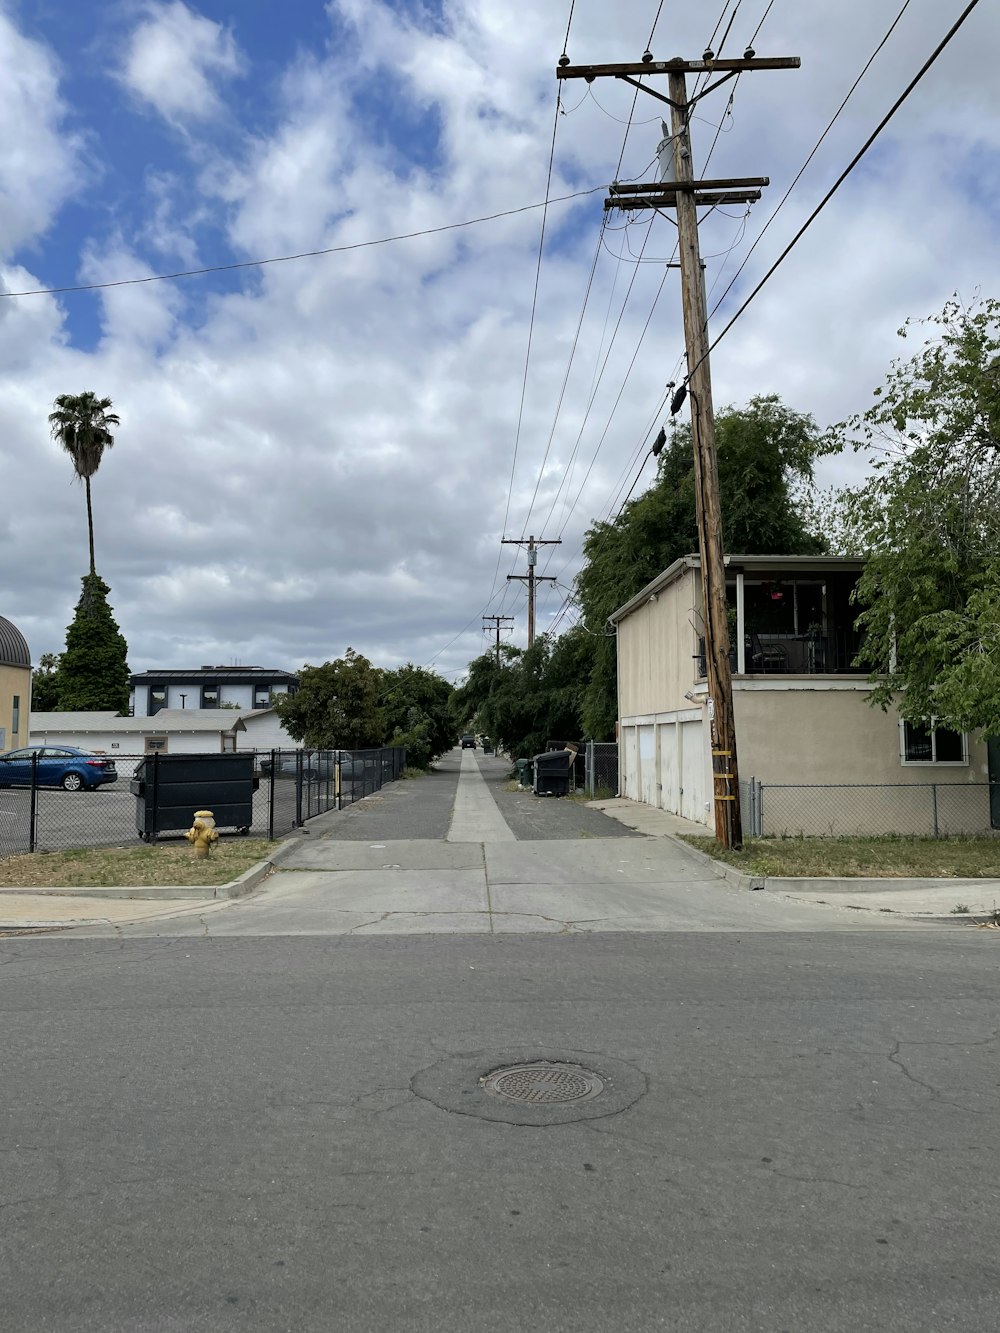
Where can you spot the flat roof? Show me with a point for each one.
(815, 564)
(220, 673)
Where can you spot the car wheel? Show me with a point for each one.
(72, 782)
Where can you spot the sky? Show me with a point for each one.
(325, 453)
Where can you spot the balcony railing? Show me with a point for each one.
(768, 654)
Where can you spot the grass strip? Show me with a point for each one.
(119, 867)
(891, 857)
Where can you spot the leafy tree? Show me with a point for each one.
(766, 453)
(337, 705)
(93, 669)
(45, 684)
(528, 698)
(417, 714)
(928, 524)
(82, 424)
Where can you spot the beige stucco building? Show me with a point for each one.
(15, 686)
(821, 758)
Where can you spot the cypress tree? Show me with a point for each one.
(93, 669)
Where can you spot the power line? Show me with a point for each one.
(843, 175)
(305, 254)
(531, 331)
(815, 150)
(565, 382)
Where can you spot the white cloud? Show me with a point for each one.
(39, 160)
(174, 59)
(321, 457)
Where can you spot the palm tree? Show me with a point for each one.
(82, 425)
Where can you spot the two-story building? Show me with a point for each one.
(246, 688)
(828, 761)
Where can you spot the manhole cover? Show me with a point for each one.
(538, 1086)
(543, 1083)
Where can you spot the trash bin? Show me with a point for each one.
(525, 772)
(487, 745)
(169, 788)
(552, 771)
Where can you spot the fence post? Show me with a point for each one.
(934, 808)
(33, 802)
(298, 788)
(760, 809)
(156, 795)
(270, 796)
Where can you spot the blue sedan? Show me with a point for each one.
(58, 766)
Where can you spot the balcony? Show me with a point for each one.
(792, 623)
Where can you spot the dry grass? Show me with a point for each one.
(115, 867)
(889, 857)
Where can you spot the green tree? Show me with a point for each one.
(928, 524)
(529, 698)
(45, 684)
(416, 703)
(93, 670)
(766, 453)
(82, 425)
(337, 705)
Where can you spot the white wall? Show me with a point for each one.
(229, 693)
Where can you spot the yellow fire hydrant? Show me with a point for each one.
(202, 833)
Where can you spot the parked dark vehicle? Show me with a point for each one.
(468, 742)
(58, 766)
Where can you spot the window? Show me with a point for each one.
(262, 696)
(927, 744)
(157, 698)
(15, 715)
(210, 696)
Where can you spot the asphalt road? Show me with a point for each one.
(289, 1132)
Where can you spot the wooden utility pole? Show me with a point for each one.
(531, 578)
(498, 620)
(679, 189)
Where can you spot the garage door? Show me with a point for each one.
(693, 771)
(670, 796)
(647, 765)
(631, 763)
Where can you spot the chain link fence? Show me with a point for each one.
(921, 809)
(290, 787)
(601, 768)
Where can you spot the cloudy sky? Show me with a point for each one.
(326, 452)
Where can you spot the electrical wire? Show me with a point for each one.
(565, 382)
(305, 254)
(531, 331)
(815, 149)
(842, 177)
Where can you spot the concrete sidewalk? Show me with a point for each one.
(931, 899)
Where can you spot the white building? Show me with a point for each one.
(829, 762)
(170, 731)
(207, 687)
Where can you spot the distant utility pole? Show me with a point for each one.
(499, 621)
(531, 578)
(678, 189)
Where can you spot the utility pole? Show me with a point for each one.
(531, 578)
(679, 189)
(499, 621)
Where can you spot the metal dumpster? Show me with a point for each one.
(169, 788)
(552, 772)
